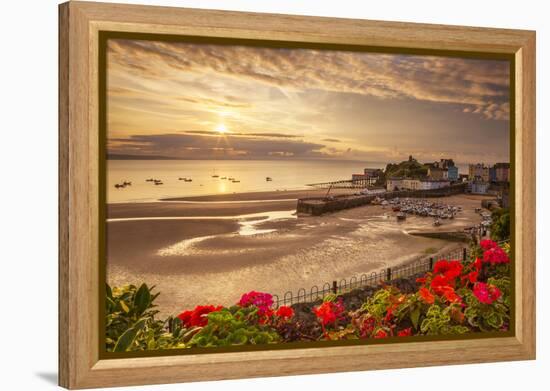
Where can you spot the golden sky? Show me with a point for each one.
(200, 101)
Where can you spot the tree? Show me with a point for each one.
(500, 228)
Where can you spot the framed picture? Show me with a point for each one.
(247, 195)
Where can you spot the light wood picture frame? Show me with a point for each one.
(82, 365)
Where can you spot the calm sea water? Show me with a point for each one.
(286, 175)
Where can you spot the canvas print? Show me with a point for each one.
(262, 195)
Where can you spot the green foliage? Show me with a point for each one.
(500, 228)
(438, 321)
(489, 317)
(378, 304)
(409, 168)
(131, 325)
(233, 326)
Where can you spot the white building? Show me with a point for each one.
(416, 184)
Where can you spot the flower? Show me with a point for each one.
(488, 244)
(450, 269)
(426, 296)
(405, 332)
(495, 255)
(478, 264)
(451, 296)
(285, 312)
(329, 312)
(421, 280)
(440, 284)
(381, 334)
(472, 276)
(486, 293)
(263, 301)
(197, 317)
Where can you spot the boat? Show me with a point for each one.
(268, 179)
(223, 177)
(235, 181)
(188, 180)
(215, 175)
(401, 216)
(182, 179)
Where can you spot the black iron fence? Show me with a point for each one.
(317, 292)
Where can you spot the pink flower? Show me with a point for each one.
(486, 293)
(263, 301)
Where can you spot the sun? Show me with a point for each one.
(221, 128)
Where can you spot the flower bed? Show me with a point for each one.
(455, 298)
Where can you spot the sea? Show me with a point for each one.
(250, 174)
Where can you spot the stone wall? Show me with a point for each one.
(321, 205)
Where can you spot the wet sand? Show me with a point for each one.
(212, 249)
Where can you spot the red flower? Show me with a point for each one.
(495, 255)
(478, 264)
(440, 284)
(381, 334)
(426, 296)
(486, 293)
(405, 332)
(198, 316)
(421, 280)
(451, 296)
(488, 244)
(472, 276)
(285, 312)
(329, 312)
(450, 269)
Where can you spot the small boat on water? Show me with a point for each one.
(268, 179)
(182, 179)
(159, 183)
(223, 177)
(188, 180)
(401, 216)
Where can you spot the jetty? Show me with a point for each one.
(316, 206)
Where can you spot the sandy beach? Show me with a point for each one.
(211, 249)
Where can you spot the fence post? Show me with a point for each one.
(335, 287)
(464, 254)
(431, 263)
(388, 274)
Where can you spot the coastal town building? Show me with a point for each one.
(478, 187)
(438, 173)
(502, 172)
(393, 184)
(369, 176)
(452, 173)
(492, 174)
(478, 172)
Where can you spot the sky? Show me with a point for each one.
(202, 101)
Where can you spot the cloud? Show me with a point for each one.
(480, 85)
(196, 144)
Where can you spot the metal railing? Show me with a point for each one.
(318, 292)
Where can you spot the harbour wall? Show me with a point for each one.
(317, 206)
